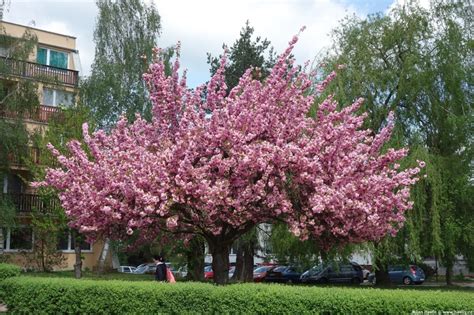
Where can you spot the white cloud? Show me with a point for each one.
(201, 26)
(423, 3)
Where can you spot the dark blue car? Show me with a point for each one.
(283, 274)
(403, 275)
(334, 273)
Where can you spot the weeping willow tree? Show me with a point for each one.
(418, 63)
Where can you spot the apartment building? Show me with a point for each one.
(53, 66)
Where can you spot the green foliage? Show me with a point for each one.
(288, 249)
(418, 63)
(47, 226)
(244, 54)
(54, 295)
(8, 271)
(7, 212)
(46, 229)
(125, 31)
(16, 99)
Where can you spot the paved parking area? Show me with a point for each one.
(3, 308)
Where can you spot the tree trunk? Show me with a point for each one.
(78, 254)
(43, 258)
(195, 258)
(380, 261)
(2, 240)
(220, 261)
(239, 263)
(381, 276)
(249, 251)
(78, 263)
(103, 256)
(449, 274)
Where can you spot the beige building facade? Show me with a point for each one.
(53, 65)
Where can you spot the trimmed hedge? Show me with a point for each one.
(60, 295)
(8, 271)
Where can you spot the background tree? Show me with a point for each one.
(16, 100)
(125, 32)
(419, 64)
(52, 225)
(245, 53)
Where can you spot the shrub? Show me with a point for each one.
(8, 271)
(60, 295)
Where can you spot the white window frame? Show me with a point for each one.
(7, 248)
(55, 92)
(48, 50)
(70, 250)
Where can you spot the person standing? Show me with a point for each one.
(160, 272)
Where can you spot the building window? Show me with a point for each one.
(52, 97)
(66, 242)
(17, 239)
(49, 57)
(63, 240)
(4, 51)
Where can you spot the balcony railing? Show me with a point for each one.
(31, 155)
(25, 203)
(27, 69)
(41, 113)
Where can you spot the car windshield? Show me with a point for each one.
(262, 269)
(141, 268)
(208, 268)
(316, 269)
(280, 269)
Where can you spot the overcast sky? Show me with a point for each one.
(202, 26)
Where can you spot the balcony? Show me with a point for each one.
(31, 156)
(26, 203)
(32, 70)
(42, 113)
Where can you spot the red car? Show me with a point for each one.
(260, 273)
(209, 273)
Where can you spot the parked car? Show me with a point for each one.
(283, 274)
(365, 273)
(409, 274)
(260, 273)
(182, 272)
(126, 269)
(145, 268)
(334, 273)
(209, 273)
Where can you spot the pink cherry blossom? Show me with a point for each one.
(220, 164)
